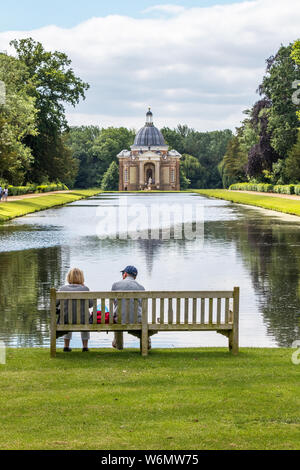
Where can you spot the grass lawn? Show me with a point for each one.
(12, 209)
(173, 399)
(289, 206)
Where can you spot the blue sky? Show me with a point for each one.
(32, 14)
(194, 62)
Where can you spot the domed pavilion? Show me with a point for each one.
(149, 164)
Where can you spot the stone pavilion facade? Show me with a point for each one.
(149, 164)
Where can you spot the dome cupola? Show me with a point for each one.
(149, 135)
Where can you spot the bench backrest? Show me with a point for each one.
(157, 307)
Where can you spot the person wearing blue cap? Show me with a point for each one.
(128, 283)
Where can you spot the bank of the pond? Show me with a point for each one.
(12, 209)
(289, 206)
(174, 399)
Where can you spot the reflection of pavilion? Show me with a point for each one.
(149, 163)
(150, 250)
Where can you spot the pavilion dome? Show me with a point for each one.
(149, 135)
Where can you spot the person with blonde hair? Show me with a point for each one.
(75, 280)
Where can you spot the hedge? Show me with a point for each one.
(297, 189)
(261, 187)
(267, 188)
(284, 189)
(33, 188)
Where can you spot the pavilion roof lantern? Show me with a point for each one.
(149, 118)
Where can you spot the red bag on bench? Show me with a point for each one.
(99, 317)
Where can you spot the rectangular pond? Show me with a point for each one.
(235, 245)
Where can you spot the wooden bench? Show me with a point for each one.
(161, 311)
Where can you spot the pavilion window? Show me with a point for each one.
(172, 175)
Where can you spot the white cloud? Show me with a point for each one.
(171, 9)
(199, 66)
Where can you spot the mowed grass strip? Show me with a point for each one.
(289, 206)
(12, 209)
(173, 399)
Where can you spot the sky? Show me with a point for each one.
(194, 62)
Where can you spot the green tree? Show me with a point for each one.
(110, 181)
(96, 149)
(296, 57)
(184, 181)
(173, 138)
(292, 163)
(296, 51)
(247, 134)
(17, 120)
(110, 142)
(81, 141)
(207, 147)
(192, 169)
(277, 86)
(234, 163)
(56, 85)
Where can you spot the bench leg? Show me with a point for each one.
(119, 339)
(144, 340)
(53, 342)
(233, 342)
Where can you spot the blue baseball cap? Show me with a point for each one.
(131, 270)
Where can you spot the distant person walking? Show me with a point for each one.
(75, 281)
(0, 192)
(4, 195)
(129, 283)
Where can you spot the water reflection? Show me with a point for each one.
(26, 277)
(255, 249)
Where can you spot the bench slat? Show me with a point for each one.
(226, 310)
(178, 310)
(78, 311)
(146, 295)
(119, 311)
(210, 311)
(162, 311)
(102, 311)
(95, 312)
(62, 312)
(86, 312)
(186, 311)
(138, 326)
(153, 310)
(194, 311)
(70, 312)
(202, 311)
(111, 311)
(100, 327)
(170, 311)
(219, 312)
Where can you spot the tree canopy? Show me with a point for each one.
(39, 84)
(270, 131)
(18, 116)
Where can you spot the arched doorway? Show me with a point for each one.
(149, 172)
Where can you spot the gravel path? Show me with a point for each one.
(284, 196)
(27, 196)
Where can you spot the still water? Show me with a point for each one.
(252, 248)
